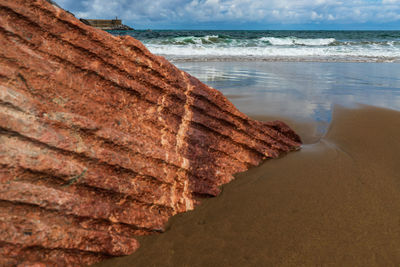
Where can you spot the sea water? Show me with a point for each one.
(349, 46)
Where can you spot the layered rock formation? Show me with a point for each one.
(101, 141)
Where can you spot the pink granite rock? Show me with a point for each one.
(102, 141)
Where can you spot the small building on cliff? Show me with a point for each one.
(106, 24)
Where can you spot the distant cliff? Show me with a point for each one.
(106, 24)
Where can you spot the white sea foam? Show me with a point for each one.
(185, 40)
(225, 47)
(298, 41)
(373, 52)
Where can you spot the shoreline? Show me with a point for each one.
(234, 59)
(335, 201)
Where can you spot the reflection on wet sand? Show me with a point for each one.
(301, 90)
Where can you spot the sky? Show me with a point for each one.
(244, 14)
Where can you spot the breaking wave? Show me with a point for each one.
(298, 41)
(368, 46)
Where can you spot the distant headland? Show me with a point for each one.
(106, 24)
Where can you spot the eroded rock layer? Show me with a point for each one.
(101, 141)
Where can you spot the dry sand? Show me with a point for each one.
(335, 202)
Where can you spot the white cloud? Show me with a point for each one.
(316, 16)
(181, 12)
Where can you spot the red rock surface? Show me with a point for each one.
(101, 141)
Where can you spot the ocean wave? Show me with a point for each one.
(298, 41)
(195, 40)
(243, 42)
(346, 53)
(221, 41)
(267, 45)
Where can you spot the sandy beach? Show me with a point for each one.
(336, 202)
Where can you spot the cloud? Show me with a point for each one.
(178, 13)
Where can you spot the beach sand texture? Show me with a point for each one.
(335, 202)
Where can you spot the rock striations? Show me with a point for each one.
(101, 141)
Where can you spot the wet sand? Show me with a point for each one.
(300, 90)
(334, 202)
